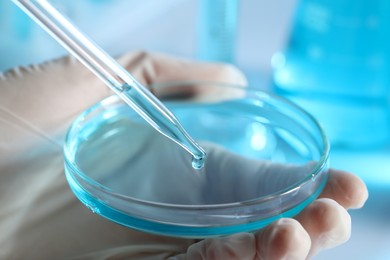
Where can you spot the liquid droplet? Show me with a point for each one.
(197, 162)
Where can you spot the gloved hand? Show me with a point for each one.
(40, 218)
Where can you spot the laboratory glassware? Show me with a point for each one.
(217, 30)
(113, 75)
(336, 65)
(230, 195)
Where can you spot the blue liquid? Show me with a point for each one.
(198, 163)
(132, 146)
(96, 206)
(116, 149)
(217, 30)
(336, 66)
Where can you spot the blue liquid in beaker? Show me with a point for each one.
(336, 66)
(217, 30)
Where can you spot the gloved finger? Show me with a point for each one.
(52, 93)
(40, 101)
(152, 68)
(283, 239)
(239, 246)
(345, 188)
(327, 223)
(47, 95)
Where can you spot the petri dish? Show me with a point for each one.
(266, 159)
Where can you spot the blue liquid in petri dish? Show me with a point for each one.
(115, 151)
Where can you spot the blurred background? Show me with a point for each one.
(330, 57)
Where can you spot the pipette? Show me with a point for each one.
(112, 74)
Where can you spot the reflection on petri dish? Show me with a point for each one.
(266, 159)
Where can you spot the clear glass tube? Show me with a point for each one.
(217, 25)
(112, 74)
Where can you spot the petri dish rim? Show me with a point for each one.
(320, 166)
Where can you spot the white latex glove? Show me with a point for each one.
(40, 218)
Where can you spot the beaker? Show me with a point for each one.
(336, 65)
